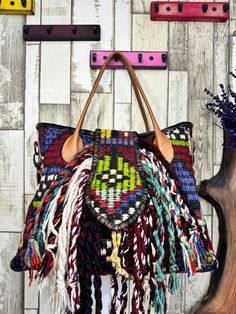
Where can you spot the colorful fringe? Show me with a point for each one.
(72, 250)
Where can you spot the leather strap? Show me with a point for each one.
(74, 143)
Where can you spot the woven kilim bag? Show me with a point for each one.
(114, 202)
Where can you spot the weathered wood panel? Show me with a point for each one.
(31, 114)
(55, 56)
(99, 12)
(59, 114)
(30, 293)
(11, 72)
(11, 180)
(178, 97)
(154, 83)
(100, 112)
(11, 283)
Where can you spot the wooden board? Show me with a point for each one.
(55, 56)
(11, 72)
(12, 180)
(11, 283)
(154, 83)
(100, 12)
(31, 114)
(100, 112)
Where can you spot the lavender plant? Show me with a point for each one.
(224, 107)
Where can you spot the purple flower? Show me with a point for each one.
(224, 107)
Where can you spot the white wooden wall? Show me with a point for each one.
(50, 82)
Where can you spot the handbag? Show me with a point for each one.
(114, 202)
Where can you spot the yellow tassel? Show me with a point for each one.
(114, 258)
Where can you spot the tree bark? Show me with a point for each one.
(220, 191)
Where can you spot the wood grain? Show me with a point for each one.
(154, 83)
(11, 283)
(100, 112)
(31, 114)
(100, 12)
(54, 113)
(11, 180)
(178, 97)
(55, 56)
(11, 72)
(30, 293)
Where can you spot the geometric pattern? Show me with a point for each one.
(116, 190)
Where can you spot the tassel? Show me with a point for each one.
(32, 255)
(198, 250)
(173, 282)
(114, 258)
(159, 303)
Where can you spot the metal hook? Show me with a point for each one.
(23, 2)
(164, 57)
(25, 29)
(50, 29)
(157, 8)
(116, 56)
(74, 29)
(226, 7)
(140, 57)
(95, 30)
(180, 7)
(94, 57)
(204, 8)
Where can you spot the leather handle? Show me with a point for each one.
(74, 143)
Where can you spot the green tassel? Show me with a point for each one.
(159, 301)
(173, 283)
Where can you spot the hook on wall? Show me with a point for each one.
(61, 32)
(189, 11)
(17, 7)
(138, 59)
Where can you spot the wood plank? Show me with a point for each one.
(200, 59)
(221, 69)
(55, 56)
(11, 181)
(30, 293)
(31, 311)
(44, 301)
(31, 114)
(232, 23)
(11, 283)
(196, 286)
(36, 18)
(100, 12)
(11, 72)
(178, 97)
(141, 6)
(122, 86)
(59, 114)
(178, 46)
(200, 76)
(100, 112)
(154, 82)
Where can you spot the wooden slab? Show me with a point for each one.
(100, 112)
(11, 283)
(55, 56)
(31, 114)
(11, 72)
(11, 180)
(100, 12)
(154, 83)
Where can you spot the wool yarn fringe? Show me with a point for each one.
(71, 252)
